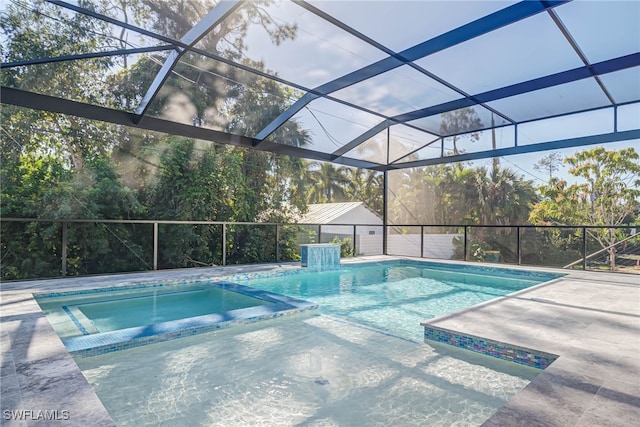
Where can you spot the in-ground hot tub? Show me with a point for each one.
(96, 321)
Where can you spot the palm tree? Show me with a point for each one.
(365, 186)
(503, 197)
(327, 184)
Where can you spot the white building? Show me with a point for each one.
(337, 220)
(329, 216)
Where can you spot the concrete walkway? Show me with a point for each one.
(591, 320)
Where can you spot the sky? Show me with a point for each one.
(321, 52)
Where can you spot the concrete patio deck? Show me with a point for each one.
(590, 320)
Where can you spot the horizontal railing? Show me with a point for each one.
(560, 245)
(313, 233)
(224, 243)
(614, 246)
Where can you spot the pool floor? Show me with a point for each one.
(309, 369)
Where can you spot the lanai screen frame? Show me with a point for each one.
(504, 17)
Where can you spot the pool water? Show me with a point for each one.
(396, 297)
(393, 297)
(305, 370)
(154, 307)
(99, 311)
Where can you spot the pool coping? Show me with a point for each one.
(587, 382)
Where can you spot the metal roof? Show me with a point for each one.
(374, 84)
(326, 213)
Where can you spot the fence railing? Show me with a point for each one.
(597, 248)
(615, 247)
(36, 248)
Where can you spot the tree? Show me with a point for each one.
(407, 203)
(43, 187)
(459, 121)
(55, 165)
(223, 97)
(452, 189)
(44, 30)
(456, 193)
(326, 183)
(203, 181)
(549, 164)
(607, 195)
(63, 167)
(201, 90)
(365, 186)
(276, 180)
(431, 195)
(503, 197)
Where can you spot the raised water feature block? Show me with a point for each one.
(320, 256)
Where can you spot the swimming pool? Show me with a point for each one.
(394, 297)
(397, 296)
(358, 360)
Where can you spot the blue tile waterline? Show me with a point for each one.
(75, 320)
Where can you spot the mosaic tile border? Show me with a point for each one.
(75, 320)
(511, 353)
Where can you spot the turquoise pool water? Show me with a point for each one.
(395, 297)
(328, 367)
(95, 321)
(157, 306)
(99, 311)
